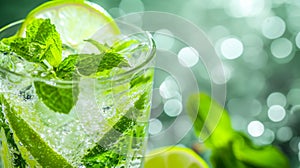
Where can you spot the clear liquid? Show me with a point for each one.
(106, 127)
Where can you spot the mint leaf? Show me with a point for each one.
(42, 32)
(123, 45)
(42, 43)
(104, 153)
(101, 47)
(107, 59)
(211, 121)
(229, 148)
(139, 79)
(91, 64)
(257, 156)
(30, 51)
(58, 99)
(111, 60)
(4, 47)
(140, 103)
(67, 69)
(88, 64)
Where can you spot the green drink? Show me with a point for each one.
(73, 109)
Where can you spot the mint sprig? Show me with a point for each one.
(95, 64)
(42, 45)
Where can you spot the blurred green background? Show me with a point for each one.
(257, 40)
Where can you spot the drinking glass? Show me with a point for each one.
(106, 126)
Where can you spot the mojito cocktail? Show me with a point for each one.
(73, 100)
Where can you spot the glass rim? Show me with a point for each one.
(150, 54)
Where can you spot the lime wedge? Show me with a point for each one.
(174, 157)
(5, 154)
(31, 140)
(75, 20)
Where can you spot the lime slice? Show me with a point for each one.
(6, 157)
(75, 20)
(31, 140)
(174, 157)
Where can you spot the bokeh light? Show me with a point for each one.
(258, 42)
(284, 134)
(188, 56)
(168, 88)
(245, 8)
(276, 113)
(155, 126)
(276, 98)
(173, 107)
(255, 128)
(293, 96)
(281, 48)
(273, 27)
(297, 40)
(267, 137)
(163, 39)
(129, 6)
(232, 48)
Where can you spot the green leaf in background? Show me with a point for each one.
(229, 148)
(211, 121)
(258, 156)
(59, 99)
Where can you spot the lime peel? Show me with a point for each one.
(75, 20)
(174, 157)
(39, 149)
